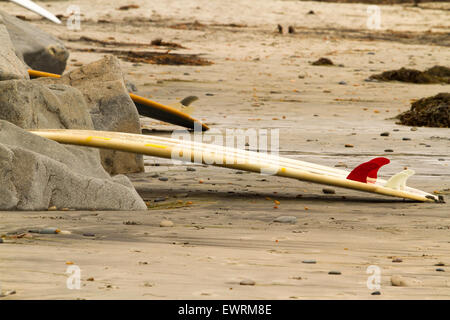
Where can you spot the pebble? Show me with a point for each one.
(52, 208)
(397, 260)
(163, 179)
(49, 231)
(342, 83)
(440, 269)
(166, 223)
(440, 264)
(286, 219)
(406, 139)
(384, 134)
(209, 94)
(413, 129)
(328, 191)
(1, 240)
(334, 272)
(309, 261)
(88, 234)
(247, 282)
(376, 293)
(190, 169)
(388, 150)
(349, 146)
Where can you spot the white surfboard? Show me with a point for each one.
(233, 158)
(30, 5)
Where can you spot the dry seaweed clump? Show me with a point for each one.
(428, 112)
(436, 74)
(323, 62)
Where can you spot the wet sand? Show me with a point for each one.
(223, 227)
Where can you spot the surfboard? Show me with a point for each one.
(151, 109)
(362, 178)
(30, 5)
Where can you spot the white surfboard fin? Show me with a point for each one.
(398, 181)
(30, 5)
(185, 105)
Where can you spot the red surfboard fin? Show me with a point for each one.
(367, 171)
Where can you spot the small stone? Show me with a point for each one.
(328, 191)
(190, 169)
(1, 240)
(384, 134)
(397, 260)
(388, 150)
(209, 94)
(334, 272)
(88, 234)
(342, 83)
(49, 231)
(349, 146)
(440, 269)
(286, 219)
(413, 129)
(406, 139)
(247, 282)
(440, 264)
(166, 223)
(52, 208)
(90, 279)
(163, 179)
(376, 293)
(309, 261)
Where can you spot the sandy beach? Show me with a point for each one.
(223, 220)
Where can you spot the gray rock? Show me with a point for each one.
(36, 48)
(37, 173)
(286, 219)
(10, 65)
(34, 105)
(309, 261)
(110, 106)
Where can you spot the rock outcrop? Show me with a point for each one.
(38, 49)
(110, 106)
(10, 65)
(37, 173)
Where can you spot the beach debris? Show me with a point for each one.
(152, 57)
(439, 264)
(440, 269)
(166, 223)
(38, 49)
(247, 282)
(436, 74)
(49, 230)
(286, 219)
(280, 29)
(1, 240)
(385, 134)
(291, 30)
(432, 111)
(397, 260)
(323, 62)
(376, 293)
